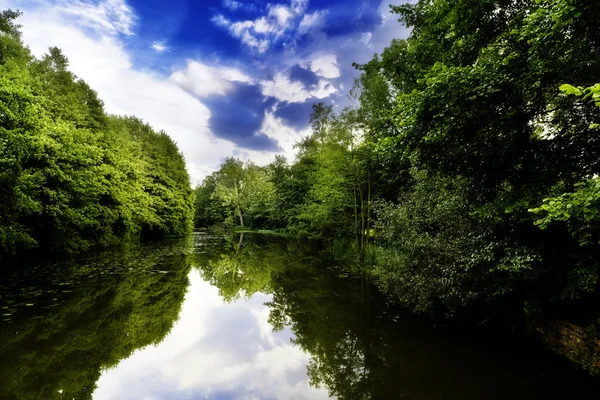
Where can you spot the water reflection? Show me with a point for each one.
(64, 323)
(363, 347)
(246, 318)
(217, 350)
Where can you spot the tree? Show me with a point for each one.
(73, 177)
(208, 211)
(232, 186)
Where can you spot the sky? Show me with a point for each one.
(216, 350)
(222, 77)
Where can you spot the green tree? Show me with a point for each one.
(475, 110)
(208, 211)
(233, 186)
(73, 177)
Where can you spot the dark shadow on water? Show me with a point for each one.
(362, 346)
(65, 323)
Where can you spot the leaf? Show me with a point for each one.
(570, 90)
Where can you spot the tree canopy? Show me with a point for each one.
(71, 175)
(469, 156)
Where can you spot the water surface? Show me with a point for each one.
(245, 318)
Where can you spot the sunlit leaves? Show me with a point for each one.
(72, 177)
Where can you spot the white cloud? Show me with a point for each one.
(100, 58)
(332, 57)
(298, 6)
(312, 21)
(106, 17)
(214, 348)
(160, 46)
(221, 21)
(325, 66)
(95, 34)
(284, 89)
(260, 33)
(366, 38)
(204, 80)
(286, 136)
(234, 6)
(281, 14)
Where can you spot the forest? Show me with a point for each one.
(73, 177)
(464, 170)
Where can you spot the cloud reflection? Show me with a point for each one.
(216, 350)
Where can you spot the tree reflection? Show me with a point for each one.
(364, 347)
(243, 267)
(60, 340)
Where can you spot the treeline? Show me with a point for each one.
(326, 191)
(466, 156)
(72, 176)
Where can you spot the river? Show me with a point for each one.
(252, 317)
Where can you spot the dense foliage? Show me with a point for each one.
(469, 158)
(72, 176)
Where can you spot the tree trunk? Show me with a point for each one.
(369, 206)
(355, 213)
(239, 213)
(362, 217)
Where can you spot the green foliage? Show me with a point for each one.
(439, 253)
(579, 208)
(237, 191)
(327, 191)
(457, 133)
(475, 110)
(208, 212)
(71, 176)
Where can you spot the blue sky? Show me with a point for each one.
(222, 77)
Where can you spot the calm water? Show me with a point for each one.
(244, 318)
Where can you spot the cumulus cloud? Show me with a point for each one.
(101, 59)
(286, 134)
(259, 34)
(325, 66)
(203, 80)
(366, 38)
(237, 105)
(312, 21)
(293, 91)
(202, 104)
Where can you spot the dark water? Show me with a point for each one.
(257, 318)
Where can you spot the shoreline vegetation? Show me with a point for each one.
(465, 173)
(467, 166)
